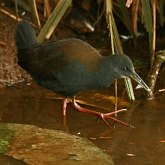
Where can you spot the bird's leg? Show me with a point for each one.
(64, 106)
(103, 116)
(64, 109)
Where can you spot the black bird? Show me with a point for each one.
(71, 65)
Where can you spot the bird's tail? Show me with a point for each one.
(25, 36)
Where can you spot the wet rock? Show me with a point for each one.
(40, 146)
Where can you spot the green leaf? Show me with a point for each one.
(54, 19)
(161, 11)
(146, 7)
(125, 16)
(116, 44)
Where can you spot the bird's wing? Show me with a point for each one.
(56, 56)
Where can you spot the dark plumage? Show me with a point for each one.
(70, 65)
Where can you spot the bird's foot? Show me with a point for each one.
(103, 116)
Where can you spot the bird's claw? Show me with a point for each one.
(108, 115)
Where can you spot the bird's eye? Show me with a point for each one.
(125, 68)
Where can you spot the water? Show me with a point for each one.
(143, 145)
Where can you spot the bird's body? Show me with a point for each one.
(56, 66)
(70, 65)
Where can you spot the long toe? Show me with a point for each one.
(114, 112)
(105, 116)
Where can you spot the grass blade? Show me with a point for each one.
(116, 44)
(54, 19)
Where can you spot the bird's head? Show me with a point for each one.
(122, 67)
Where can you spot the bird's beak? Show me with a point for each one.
(138, 79)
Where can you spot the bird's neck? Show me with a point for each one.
(106, 76)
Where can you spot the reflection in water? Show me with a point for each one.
(142, 145)
(8, 160)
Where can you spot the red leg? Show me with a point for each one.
(64, 106)
(103, 116)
